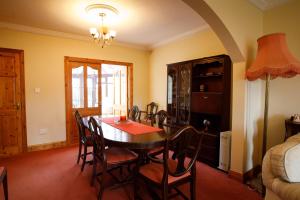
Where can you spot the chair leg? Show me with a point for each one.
(135, 188)
(5, 188)
(100, 194)
(84, 157)
(164, 193)
(94, 173)
(79, 153)
(193, 189)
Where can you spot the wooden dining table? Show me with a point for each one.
(121, 138)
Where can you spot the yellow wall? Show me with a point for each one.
(44, 69)
(197, 45)
(284, 93)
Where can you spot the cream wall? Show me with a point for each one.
(198, 45)
(44, 69)
(284, 93)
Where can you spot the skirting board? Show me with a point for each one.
(235, 175)
(53, 145)
(246, 176)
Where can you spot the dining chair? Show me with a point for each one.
(84, 140)
(108, 159)
(133, 113)
(166, 173)
(3, 180)
(161, 122)
(160, 118)
(149, 113)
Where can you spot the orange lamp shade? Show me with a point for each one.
(274, 58)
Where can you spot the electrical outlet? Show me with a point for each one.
(43, 131)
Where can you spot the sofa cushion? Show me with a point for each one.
(285, 160)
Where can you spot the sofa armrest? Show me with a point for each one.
(273, 182)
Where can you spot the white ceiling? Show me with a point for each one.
(144, 23)
(268, 4)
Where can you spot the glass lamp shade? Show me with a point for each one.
(274, 58)
(93, 31)
(112, 34)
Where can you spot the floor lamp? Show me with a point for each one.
(273, 60)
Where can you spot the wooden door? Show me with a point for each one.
(83, 82)
(12, 103)
(83, 93)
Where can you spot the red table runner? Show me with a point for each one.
(130, 126)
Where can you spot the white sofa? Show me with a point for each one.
(281, 170)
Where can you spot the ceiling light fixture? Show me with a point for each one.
(103, 35)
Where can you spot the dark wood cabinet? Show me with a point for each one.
(179, 92)
(291, 128)
(200, 90)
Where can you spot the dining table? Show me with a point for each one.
(130, 134)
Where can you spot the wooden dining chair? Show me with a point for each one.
(160, 118)
(148, 115)
(108, 159)
(161, 122)
(3, 180)
(85, 141)
(166, 173)
(133, 113)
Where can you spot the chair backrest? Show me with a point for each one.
(133, 113)
(80, 125)
(151, 110)
(160, 118)
(186, 143)
(98, 139)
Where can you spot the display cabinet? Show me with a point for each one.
(200, 90)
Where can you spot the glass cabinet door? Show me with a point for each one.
(184, 94)
(172, 93)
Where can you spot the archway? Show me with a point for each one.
(237, 24)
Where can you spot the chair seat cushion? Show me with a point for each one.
(117, 155)
(2, 170)
(2, 173)
(154, 172)
(156, 150)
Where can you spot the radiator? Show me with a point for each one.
(225, 146)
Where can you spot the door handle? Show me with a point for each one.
(18, 106)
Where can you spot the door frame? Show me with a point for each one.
(22, 95)
(68, 97)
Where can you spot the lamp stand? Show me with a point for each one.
(266, 112)
(265, 130)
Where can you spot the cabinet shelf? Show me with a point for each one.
(212, 93)
(208, 76)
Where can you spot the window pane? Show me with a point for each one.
(92, 87)
(114, 89)
(77, 87)
(123, 90)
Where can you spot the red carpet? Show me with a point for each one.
(54, 175)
